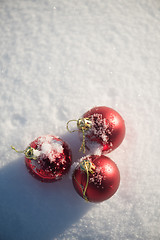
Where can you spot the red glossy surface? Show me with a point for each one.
(103, 183)
(43, 168)
(114, 128)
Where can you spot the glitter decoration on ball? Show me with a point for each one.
(47, 158)
(96, 178)
(102, 125)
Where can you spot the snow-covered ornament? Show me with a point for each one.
(102, 125)
(96, 178)
(47, 158)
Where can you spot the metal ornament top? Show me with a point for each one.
(29, 153)
(83, 125)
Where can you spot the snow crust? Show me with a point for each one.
(58, 59)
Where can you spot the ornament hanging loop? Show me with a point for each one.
(29, 152)
(71, 131)
(83, 125)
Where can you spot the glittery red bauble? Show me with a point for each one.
(108, 127)
(54, 160)
(103, 182)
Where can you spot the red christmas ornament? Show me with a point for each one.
(107, 127)
(47, 158)
(102, 125)
(96, 178)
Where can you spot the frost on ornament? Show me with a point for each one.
(52, 149)
(53, 159)
(96, 178)
(100, 127)
(107, 127)
(94, 148)
(98, 135)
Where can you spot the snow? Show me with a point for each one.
(94, 148)
(36, 153)
(58, 59)
(50, 147)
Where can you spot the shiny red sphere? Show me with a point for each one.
(103, 181)
(108, 127)
(54, 160)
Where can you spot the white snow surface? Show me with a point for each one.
(59, 59)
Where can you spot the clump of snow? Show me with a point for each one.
(44, 139)
(57, 146)
(50, 147)
(72, 168)
(87, 157)
(46, 148)
(94, 148)
(36, 152)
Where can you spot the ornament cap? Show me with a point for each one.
(29, 152)
(87, 166)
(83, 125)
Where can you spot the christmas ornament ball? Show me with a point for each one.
(107, 127)
(96, 178)
(50, 158)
